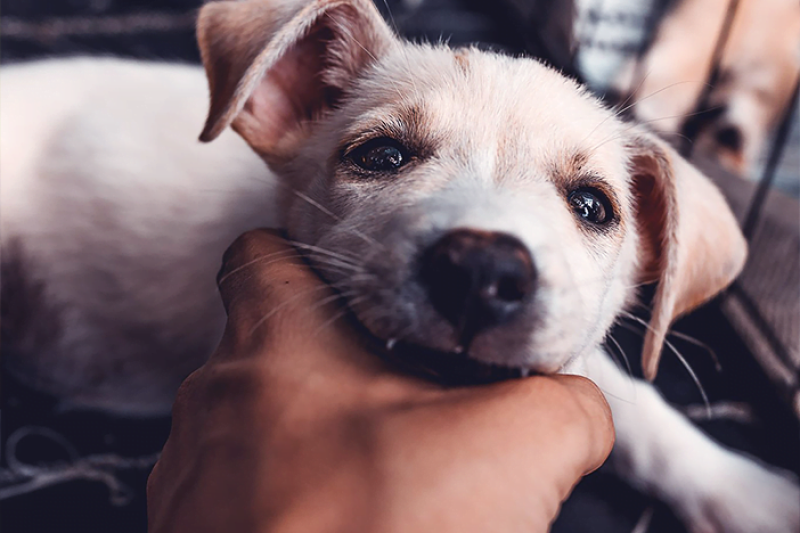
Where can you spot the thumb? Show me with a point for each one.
(274, 300)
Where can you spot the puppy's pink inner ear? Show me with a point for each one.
(651, 218)
(292, 94)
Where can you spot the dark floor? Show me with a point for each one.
(164, 30)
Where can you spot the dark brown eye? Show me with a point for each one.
(380, 155)
(591, 205)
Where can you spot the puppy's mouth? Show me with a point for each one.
(447, 368)
(451, 368)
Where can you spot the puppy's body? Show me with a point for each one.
(113, 222)
(476, 143)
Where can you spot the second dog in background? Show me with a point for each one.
(759, 67)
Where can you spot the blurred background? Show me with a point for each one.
(85, 472)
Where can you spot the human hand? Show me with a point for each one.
(293, 425)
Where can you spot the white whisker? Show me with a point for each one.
(283, 305)
(325, 260)
(283, 254)
(350, 257)
(680, 357)
(354, 231)
(622, 354)
(336, 316)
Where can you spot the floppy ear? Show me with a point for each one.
(274, 66)
(692, 242)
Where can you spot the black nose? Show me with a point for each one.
(477, 279)
(730, 137)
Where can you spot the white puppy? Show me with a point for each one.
(482, 211)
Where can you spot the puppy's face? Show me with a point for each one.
(471, 203)
(462, 201)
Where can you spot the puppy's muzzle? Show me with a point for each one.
(477, 279)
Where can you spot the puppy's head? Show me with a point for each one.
(463, 202)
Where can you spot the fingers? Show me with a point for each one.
(570, 405)
(270, 293)
(259, 271)
(286, 323)
(560, 420)
(594, 411)
(563, 428)
(516, 447)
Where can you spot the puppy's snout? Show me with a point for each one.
(477, 279)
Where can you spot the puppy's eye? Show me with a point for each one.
(591, 205)
(379, 155)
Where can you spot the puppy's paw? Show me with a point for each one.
(742, 496)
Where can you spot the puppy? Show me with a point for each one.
(477, 209)
(758, 71)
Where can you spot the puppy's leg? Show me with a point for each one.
(659, 451)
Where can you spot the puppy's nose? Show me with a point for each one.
(477, 279)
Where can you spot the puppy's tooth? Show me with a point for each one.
(525, 372)
(390, 344)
